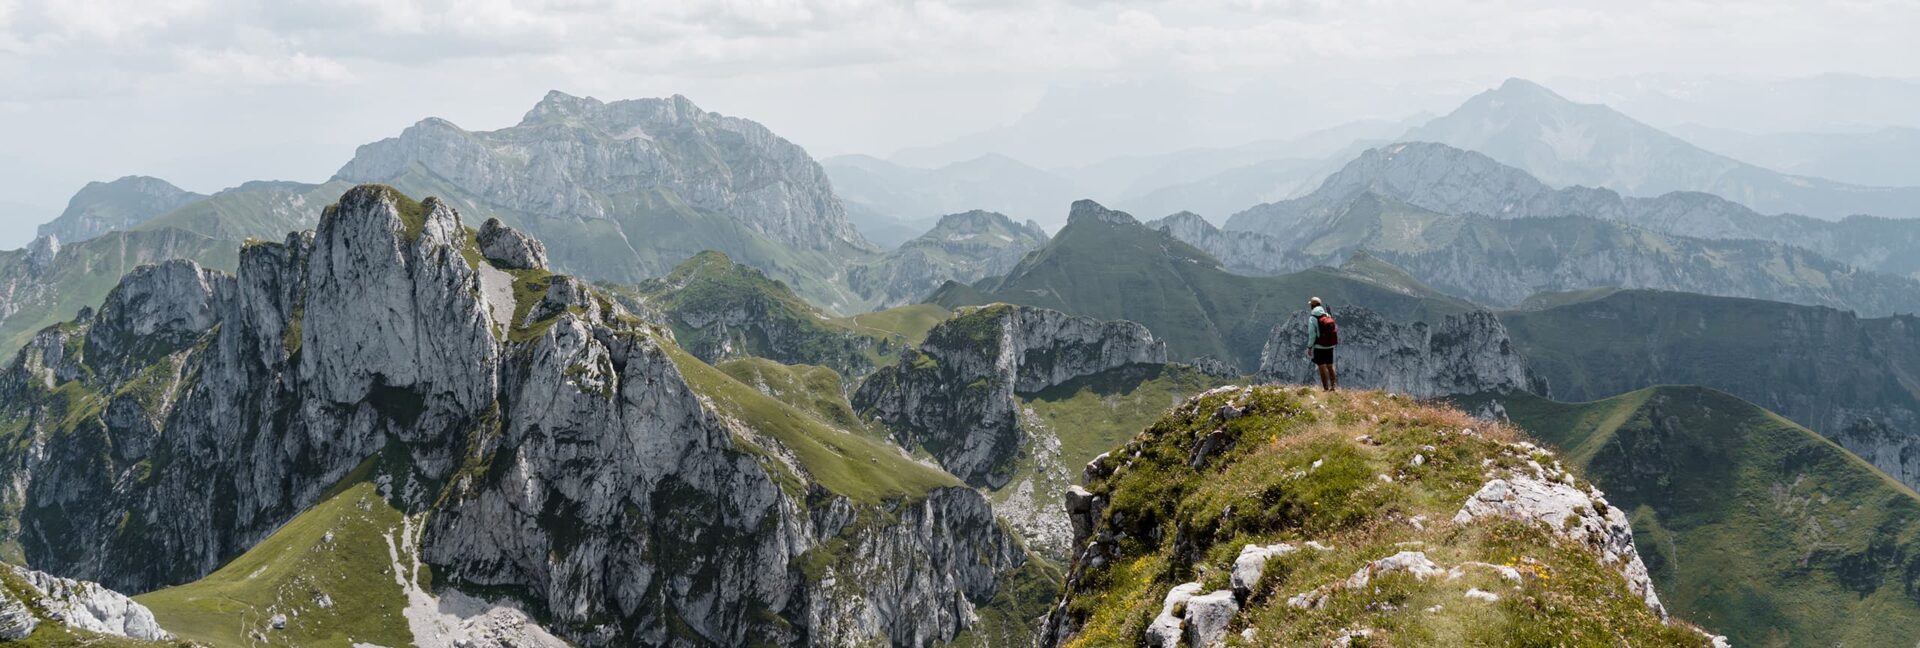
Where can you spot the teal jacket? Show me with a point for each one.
(1313, 328)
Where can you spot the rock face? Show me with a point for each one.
(102, 207)
(80, 605)
(51, 279)
(1462, 354)
(559, 456)
(964, 247)
(955, 395)
(507, 248)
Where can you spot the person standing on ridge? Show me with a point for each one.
(1322, 335)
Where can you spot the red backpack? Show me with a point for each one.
(1329, 332)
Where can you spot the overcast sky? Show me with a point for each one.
(209, 93)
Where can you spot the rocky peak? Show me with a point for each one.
(508, 248)
(586, 171)
(955, 395)
(392, 304)
(102, 207)
(560, 106)
(1084, 211)
(158, 308)
(42, 252)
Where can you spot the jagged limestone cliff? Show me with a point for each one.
(538, 446)
(955, 395)
(1461, 354)
(1277, 516)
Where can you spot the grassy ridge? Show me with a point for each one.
(338, 548)
(1300, 466)
(1753, 526)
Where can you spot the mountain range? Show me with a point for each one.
(1564, 143)
(648, 401)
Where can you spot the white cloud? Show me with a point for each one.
(251, 68)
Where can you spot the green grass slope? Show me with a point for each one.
(1753, 526)
(849, 463)
(1107, 265)
(1297, 466)
(337, 549)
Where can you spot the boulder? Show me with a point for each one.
(509, 248)
(1208, 616)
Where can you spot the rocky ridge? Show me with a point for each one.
(560, 450)
(1461, 354)
(955, 395)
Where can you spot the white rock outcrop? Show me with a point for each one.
(85, 605)
(1583, 516)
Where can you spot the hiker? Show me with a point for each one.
(1322, 335)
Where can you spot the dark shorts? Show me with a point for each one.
(1322, 356)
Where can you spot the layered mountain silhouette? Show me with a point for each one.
(1564, 143)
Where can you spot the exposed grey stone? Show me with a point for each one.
(1462, 354)
(508, 248)
(1208, 616)
(956, 396)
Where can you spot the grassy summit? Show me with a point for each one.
(1753, 526)
(1368, 477)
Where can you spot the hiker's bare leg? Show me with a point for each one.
(1333, 379)
(1326, 378)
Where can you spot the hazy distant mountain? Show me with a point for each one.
(1448, 180)
(626, 190)
(1885, 156)
(883, 230)
(1818, 103)
(102, 207)
(1501, 261)
(990, 182)
(964, 247)
(1565, 143)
